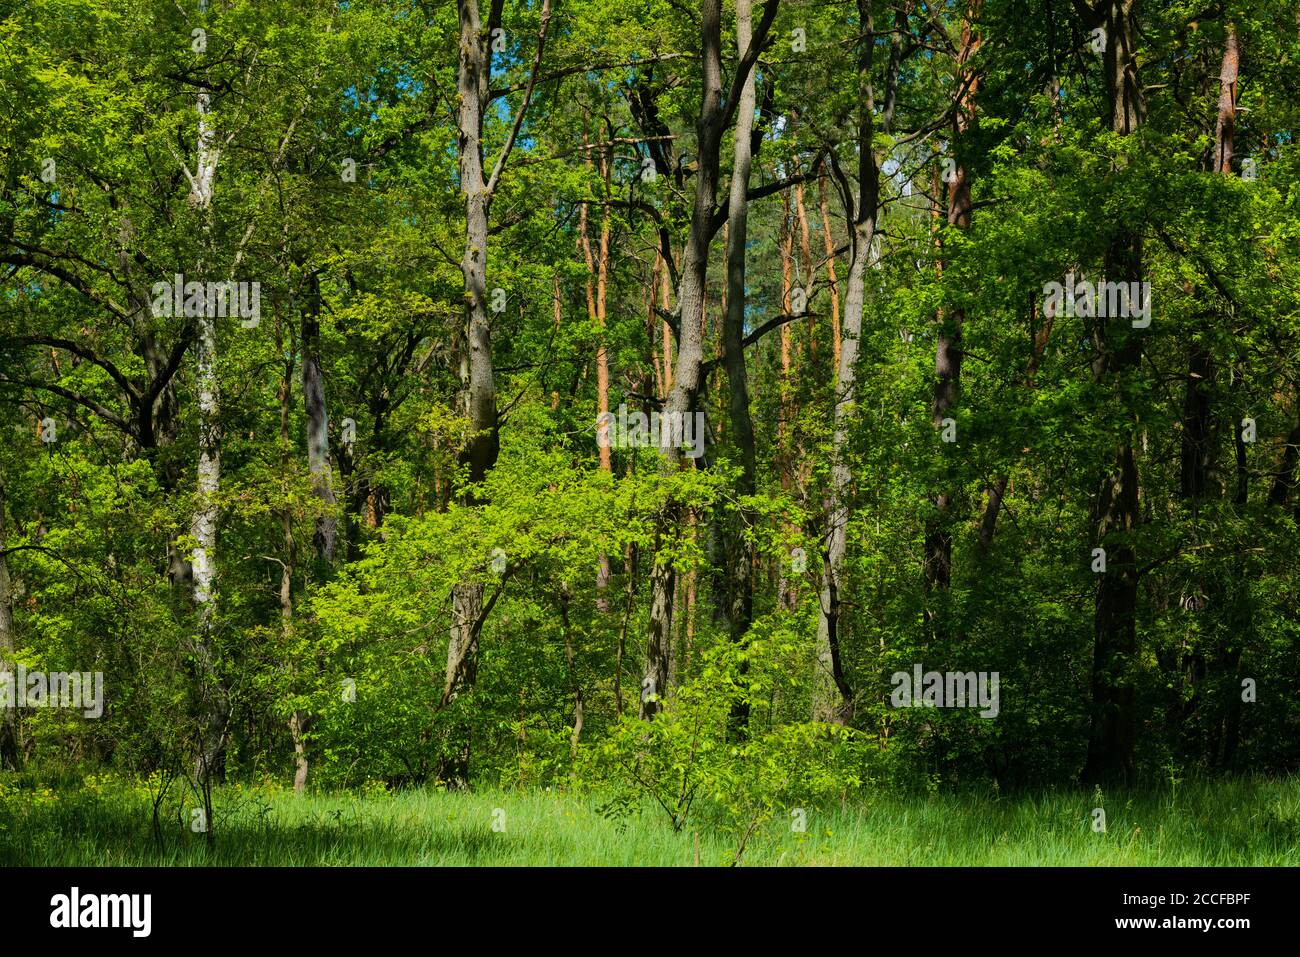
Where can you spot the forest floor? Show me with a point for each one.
(103, 822)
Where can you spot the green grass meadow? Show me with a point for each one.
(104, 822)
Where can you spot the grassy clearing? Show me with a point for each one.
(109, 823)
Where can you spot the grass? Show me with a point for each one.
(109, 823)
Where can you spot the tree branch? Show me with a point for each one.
(68, 346)
(523, 107)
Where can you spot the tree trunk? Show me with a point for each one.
(805, 260)
(739, 588)
(832, 697)
(318, 449)
(831, 278)
(478, 400)
(298, 720)
(460, 676)
(948, 352)
(574, 682)
(10, 754)
(596, 313)
(1113, 733)
(690, 297)
(786, 582)
(214, 700)
(1197, 454)
(1227, 660)
(666, 332)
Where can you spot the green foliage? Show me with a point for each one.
(336, 663)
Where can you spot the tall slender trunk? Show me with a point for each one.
(831, 278)
(787, 412)
(213, 698)
(478, 398)
(318, 450)
(299, 721)
(1227, 660)
(832, 697)
(10, 755)
(325, 535)
(785, 248)
(571, 667)
(805, 260)
(739, 587)
(1112, 736)
(948, 351)
(652, 323)
(690, 354)
(1200, 434)
(1197, 454)
(666, 332)
(599, 266)
(787, 588)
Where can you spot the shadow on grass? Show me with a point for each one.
(89, 833)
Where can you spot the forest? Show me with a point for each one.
(756, 421)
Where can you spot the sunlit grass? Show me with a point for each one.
(110, 823)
